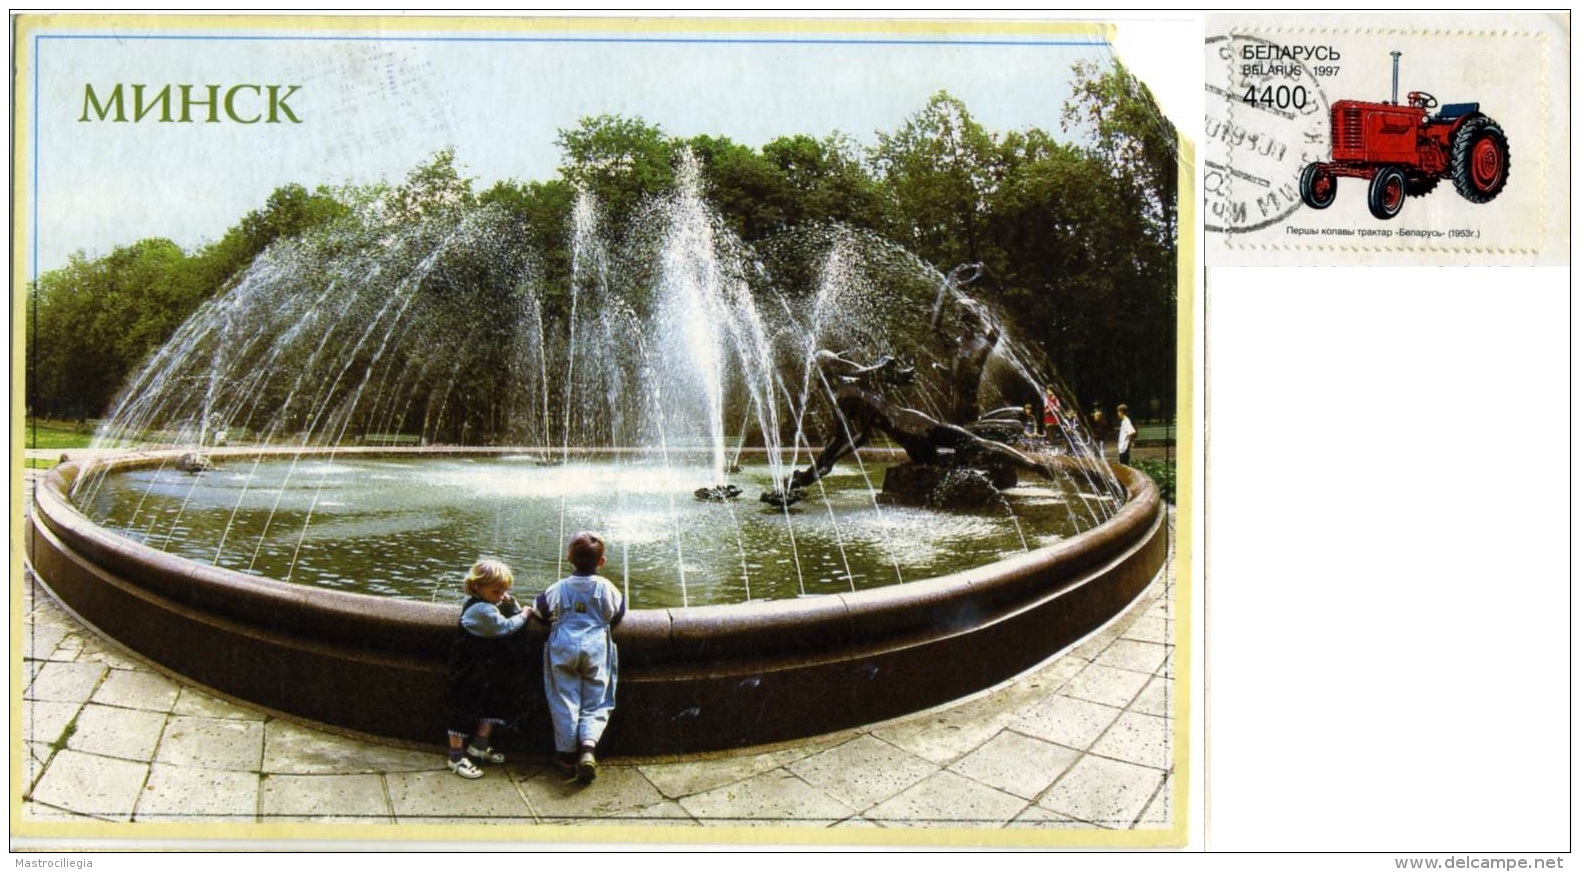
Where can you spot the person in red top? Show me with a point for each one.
(1050, 411)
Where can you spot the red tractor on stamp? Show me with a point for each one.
(1403, 151)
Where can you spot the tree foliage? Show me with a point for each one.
(938, 169)
(621, 161)
(1076, 234)
(1131, 135)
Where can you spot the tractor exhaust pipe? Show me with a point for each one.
(1395, 99)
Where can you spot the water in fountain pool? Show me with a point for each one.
(408, 527)
(679, 340)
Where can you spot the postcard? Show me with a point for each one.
(1387, 139)
(853, 355)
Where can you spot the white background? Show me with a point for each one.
(1388, 590)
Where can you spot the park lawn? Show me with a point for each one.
(57, 434)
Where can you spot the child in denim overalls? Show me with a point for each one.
(580, 661)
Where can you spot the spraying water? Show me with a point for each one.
(678, 350)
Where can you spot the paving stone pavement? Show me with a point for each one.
(1085, 742)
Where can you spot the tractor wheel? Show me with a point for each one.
(1478, 159)
(1317, 188)
(1386, 196)
(1419, 186)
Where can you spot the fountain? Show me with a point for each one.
(403, 396)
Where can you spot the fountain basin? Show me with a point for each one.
(691, 679)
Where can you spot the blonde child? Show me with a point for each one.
(478, 666)
(580, 661)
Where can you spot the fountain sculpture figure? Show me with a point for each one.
(864, 406)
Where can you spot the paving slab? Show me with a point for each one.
(182, 794)
(1129, 654)
(292, 748)
(776, 797)
(41, 638)
(863, 771)
(1137, 738)
(116, 732)
(858, 822)
(423, 797)
(1167, 669)
(320, 798)
(664, 814)
(96, 650)
(1038, 818)
(1052, 677)
(1073, 723)
(70, 648)
(100, 650)
(686, 777)
(37, 812)
(617, 792)
(66, 682)
(35, 756)
(1107, 685)
(1159, 811)
(1149, 628)
(1108, 793)
(1090, 647)
(948, 799)
(805, 748)
(29, 671)
(102, 787)
(212, 743)
(44, 722)
(1157, 698)
(1016, 764)
(137, 689)
(196, 703)
(490, 820)
(944, 736)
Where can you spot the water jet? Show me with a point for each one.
(293, 573)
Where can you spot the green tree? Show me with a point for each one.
(623, 161)
(1118, 111)
(543, 210)
(939, 169)
(431, 188)
(750, 191)
(1138, 148)
(290, 211)
(97, 319)
(94, 321)
(828, 182)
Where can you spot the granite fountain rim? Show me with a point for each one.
(1141, 502)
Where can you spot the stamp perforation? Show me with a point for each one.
(1380, 31)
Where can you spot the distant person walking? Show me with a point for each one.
(1127, 434)
(580, 662)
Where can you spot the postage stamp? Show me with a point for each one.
(1399, 139)
(359, 302)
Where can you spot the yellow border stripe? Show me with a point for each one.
(788, 27)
